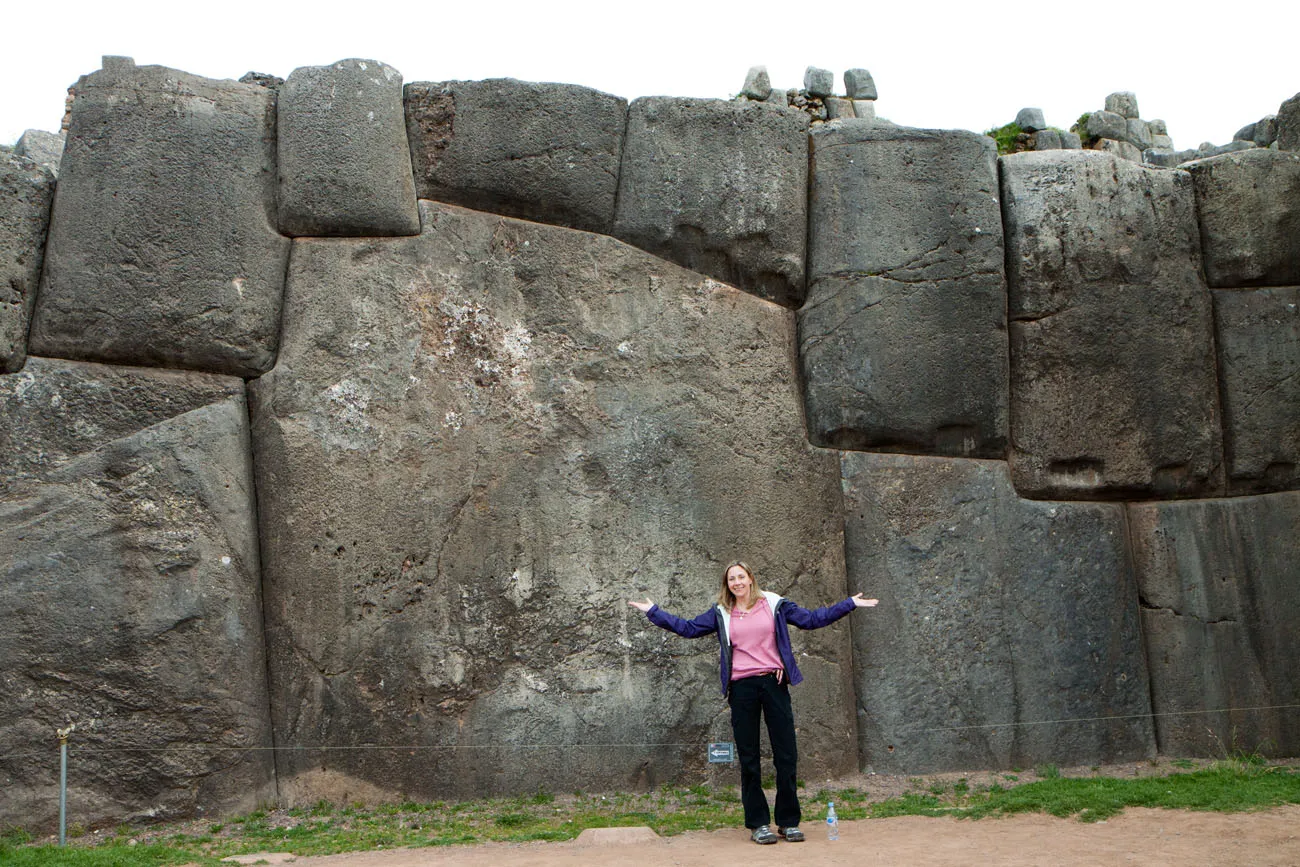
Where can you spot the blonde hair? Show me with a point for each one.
(726, 598)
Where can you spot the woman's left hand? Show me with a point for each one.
(864, 603)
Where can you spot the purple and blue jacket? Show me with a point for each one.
(718, 619)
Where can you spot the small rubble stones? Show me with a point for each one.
(858, 84)
(819, 82)
(1123, 103)
(262, 79)
(1031, 120)
(758, 85)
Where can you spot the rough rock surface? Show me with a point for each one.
(162, 246)
(344, 161)
(858, 84)
(1123, 103)
(721, 188)
(25, 195)
(545, 152)
(906, 287)
(1258, 337)
(476, 445)
(1288, 125)
(758, 84)
(997, 614)
(1113, 387)
(1220, 583)
(1249, 208)
(131, 594)
(1031, 119)
(43, 148)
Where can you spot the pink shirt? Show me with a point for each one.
(753, 641)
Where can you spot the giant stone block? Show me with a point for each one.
(902, 341)
(1258, 336)
(1220, 583)
(344, 163)
(131, 596)
(1113, 386)
(721, 188)
(1249, 207)
(26, 191)
(475, 446)
(1007, 633)
(545, 152)
(162, 247)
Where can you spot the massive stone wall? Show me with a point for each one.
(318, 483)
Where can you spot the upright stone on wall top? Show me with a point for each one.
(162, 247)
(719, 187)
(544, 152)
(344, 161)
(1113, 384)
(25, 195)
(902, 340)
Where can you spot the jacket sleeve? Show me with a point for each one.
(817, 618)
(705, 624)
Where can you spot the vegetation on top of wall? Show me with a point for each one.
(1080, 129)
(1006, 136)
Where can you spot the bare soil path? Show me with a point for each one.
(1151, 838)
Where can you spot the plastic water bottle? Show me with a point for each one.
(832, 822)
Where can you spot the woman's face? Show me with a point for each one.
(739, 582)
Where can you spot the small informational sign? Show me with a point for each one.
(722, 753)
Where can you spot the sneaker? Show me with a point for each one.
(762, 835)
(791, 834)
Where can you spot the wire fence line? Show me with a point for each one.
(211, 748)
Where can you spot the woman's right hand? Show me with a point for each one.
(643, 607)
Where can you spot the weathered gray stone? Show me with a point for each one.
(1258, 336)
(1161, 142)
(1249, 208)
(818, 82)
(997, 615)
(1265, 131)
(1107, 124)
(1047, 140)
(1246, 133)
(26, 191)
(1288, 125)
(1164, 158)
(1159, 127)
(858, 84)
(1220, 583)
(1123, 103)
(864, 109)
(906, 287)
(719, 187)
(43, 148)
(778, 97)
(758, 85)
(1121, 149)
(1139, 133)
(545, 152)
(1113, 384)
(131, 595)
(162, 248)
(344, 162)
(262, 79)
(476, 444)
(1031, 119)
(837, 108)
(1070, 140)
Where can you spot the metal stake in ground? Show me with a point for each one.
(63, 782)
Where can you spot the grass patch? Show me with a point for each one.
(1007, 137)
(321, 829)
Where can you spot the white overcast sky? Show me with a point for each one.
(1206, 69)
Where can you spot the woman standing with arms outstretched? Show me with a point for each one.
(757, 669)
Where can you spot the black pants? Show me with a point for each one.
(750, 697)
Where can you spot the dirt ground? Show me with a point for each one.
(1152, 838)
